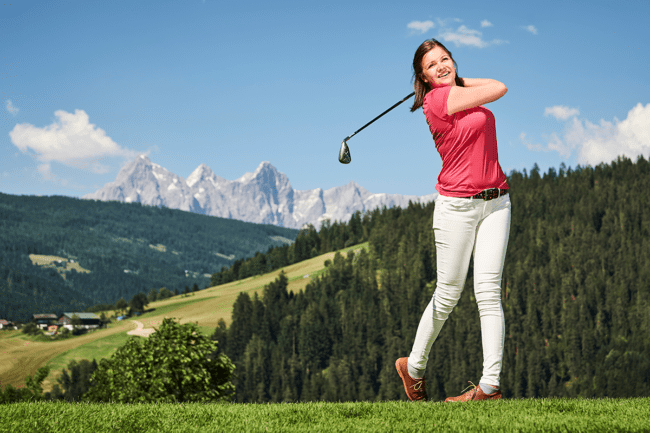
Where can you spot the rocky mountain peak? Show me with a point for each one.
(264, 196)
(204, 173)
(264, 172)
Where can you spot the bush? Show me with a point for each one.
(31, 329)
(175, 364)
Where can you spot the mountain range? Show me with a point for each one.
(264, 196)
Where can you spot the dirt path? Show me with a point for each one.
(140, 331)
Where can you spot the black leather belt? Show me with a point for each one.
(489, 194)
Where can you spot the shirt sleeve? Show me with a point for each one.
(434, 105)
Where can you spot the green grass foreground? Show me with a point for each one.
(556, 415)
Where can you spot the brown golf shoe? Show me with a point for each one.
(475, 394)
(415, 388)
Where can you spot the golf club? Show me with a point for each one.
(344, 153)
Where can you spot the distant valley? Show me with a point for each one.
(65, 254)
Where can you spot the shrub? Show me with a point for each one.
(175, 364)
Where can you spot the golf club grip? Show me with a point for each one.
(369, 123)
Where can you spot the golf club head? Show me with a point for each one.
(344, 153)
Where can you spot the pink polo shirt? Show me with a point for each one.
(467, 143)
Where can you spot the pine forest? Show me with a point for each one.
(575, 294)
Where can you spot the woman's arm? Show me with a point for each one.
(477, 91)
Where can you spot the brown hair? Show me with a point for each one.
(421, 88)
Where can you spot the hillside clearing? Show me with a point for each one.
(59, 264)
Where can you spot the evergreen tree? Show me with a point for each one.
(138, 303)
(77, 382)
(121, 305)
(152, 296)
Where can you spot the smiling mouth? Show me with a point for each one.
(444, 75)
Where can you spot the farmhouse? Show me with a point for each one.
(44, 320)
(88, 320)
(4, 324)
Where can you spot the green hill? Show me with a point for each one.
(91, 252)
(22, 355)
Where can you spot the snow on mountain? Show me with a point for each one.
(148, 183)
(264, 196)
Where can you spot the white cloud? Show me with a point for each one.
(531, 29)
(555, 144)
(531, 146)
(46, 171)
(11, 108)
(466, 36)
(420, 27)
(561, 112)
(603, 142)
(71, 140)
(463, 35)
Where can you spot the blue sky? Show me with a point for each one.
(86, 86)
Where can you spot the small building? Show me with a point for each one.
(44, 320)
(5, 324)
(88, 320)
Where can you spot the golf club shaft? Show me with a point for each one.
(367, 124)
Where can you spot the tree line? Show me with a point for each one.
(575, 296)
(309, 243)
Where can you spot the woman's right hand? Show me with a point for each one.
(478, 91)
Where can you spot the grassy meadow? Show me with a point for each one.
(530, 415)
(60, 264)
(22, 355)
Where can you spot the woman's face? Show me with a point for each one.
(438, 68)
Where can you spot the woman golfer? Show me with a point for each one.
(472, 213)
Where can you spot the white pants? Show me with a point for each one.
(462, 226)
